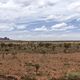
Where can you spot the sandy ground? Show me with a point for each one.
(50, 65)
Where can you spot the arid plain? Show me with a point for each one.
(39, 60)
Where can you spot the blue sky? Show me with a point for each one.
(40, 19)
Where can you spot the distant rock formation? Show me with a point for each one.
(5, 38)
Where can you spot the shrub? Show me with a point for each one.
(37, 66)
(10, 45)
(29, 64)
(3, 45)
(47, 45)
(67, 45)
(73, 76)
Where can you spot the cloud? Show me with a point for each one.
(61, 26)
(6, 27)
(9, 5)
(61, 17)
(75, 6)
(18, 17)
(43, 28)
(20, 27)
(21, 9)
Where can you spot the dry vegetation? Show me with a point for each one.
(39, 60)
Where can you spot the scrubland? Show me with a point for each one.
(39, 60)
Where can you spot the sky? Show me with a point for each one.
(40, 19)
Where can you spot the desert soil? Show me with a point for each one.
(50, 65)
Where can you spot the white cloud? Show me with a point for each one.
(26, 8)
(43, 28)
(25, 12)
(11, 26)
(53, 9)
(51, 17)
(20, 27)
(62, 17)
(75, 6)
(9, 5)
(61, 26)
(6, 27)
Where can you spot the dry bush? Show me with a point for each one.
(40, 47)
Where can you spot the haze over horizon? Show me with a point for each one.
(40, 19)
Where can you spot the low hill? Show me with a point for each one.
(5, 38)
